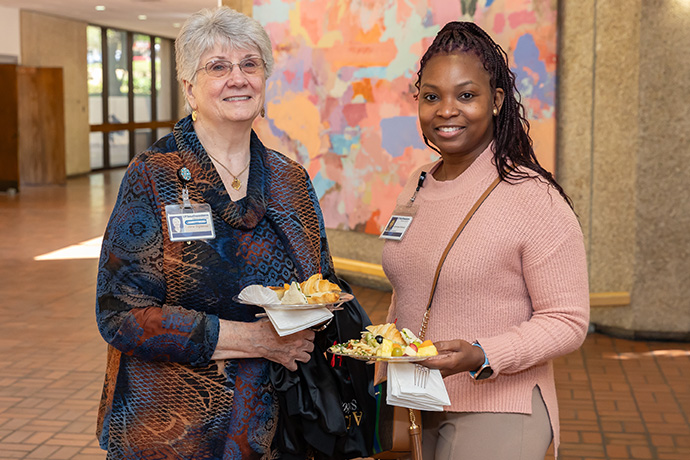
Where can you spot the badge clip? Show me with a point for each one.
(420, 182)
(185, 176)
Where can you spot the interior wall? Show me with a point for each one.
(49, 41)
(9, 27)
(243, 6)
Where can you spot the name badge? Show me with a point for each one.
(190, 223)
(396, 227)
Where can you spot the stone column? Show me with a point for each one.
(623, 156)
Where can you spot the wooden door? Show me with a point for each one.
(9, 134)
(41, 125)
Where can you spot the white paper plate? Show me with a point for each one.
(344, 297)
(390, 359)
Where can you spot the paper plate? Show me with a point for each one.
(389, 359)
(344, 297)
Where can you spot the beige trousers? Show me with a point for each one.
(487, 435)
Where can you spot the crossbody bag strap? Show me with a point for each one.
(415, 430)
(482, 198)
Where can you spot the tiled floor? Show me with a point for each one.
(618, 399)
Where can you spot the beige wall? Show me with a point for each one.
(9, 27)
(623, 155)
(48, 41)
(243, 6)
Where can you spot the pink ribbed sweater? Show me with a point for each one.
(515, 280)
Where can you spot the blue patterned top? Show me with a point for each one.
(159, 302)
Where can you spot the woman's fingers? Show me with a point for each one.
(443, 360)
(449, 345)
(452, 358)
(290, 349)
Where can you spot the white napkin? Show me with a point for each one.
(402, 390)
(288, 322)
(259, 295)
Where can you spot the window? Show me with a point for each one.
(141, 75)
(118, 146)
(165, 77)
(94, 65)
(118, 76)
(132, 93)
(96, 149)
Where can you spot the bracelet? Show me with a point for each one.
(486, 360)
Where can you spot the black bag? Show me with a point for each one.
(327, 406)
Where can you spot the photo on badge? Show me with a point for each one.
(396, 227)
(190, 224)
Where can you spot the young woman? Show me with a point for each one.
(513, 292)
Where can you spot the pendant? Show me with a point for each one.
(236, 184)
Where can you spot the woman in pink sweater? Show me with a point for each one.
(513, 292)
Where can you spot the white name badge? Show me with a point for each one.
(396, 227)
(187, 224)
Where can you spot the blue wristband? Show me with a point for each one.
(486, 360)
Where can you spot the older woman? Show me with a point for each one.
(204, 212)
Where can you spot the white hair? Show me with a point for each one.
(210, 27)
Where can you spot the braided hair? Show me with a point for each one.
(512, 143)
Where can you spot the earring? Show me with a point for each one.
(263, 112)
(495, 112)
(194, 115)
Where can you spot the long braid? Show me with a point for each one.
(513, 145)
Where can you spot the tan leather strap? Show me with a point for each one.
(487, 192)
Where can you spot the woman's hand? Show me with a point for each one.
(455, 356)
(285, 350)
(260, 340)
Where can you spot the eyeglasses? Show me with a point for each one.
(219, 68)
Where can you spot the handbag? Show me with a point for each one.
(327, 409)
(394, 433)
(398, 429)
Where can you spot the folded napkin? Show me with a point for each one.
(259, 295)
(288, 322)
(416, 392)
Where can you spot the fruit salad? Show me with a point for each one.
(386, 341)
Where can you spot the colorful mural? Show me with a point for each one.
(341, 101)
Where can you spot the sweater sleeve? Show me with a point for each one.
(555, 273)
(131, 311)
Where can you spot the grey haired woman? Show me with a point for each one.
(188, 367)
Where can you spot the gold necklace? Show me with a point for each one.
(236, 184)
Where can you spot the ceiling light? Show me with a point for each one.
(177, 25)
(100, 8)
(142, 17)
